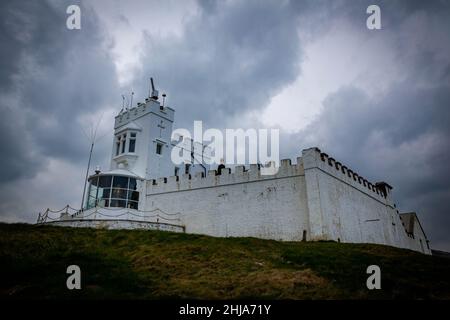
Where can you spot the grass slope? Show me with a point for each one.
(151, 264)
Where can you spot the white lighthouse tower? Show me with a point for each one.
(141, 143)
(141, 149)
(141, 153)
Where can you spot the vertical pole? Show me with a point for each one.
(87, 173)
(132, 94)
(150, 89)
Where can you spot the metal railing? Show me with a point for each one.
(67, 213)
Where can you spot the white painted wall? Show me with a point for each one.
(147, 120)
(315, 196)
(238, 204)
(344, 207)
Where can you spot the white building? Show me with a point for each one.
(317, 198)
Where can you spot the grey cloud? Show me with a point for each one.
(50, 76)
(233, 57)
(402, 135)
(402, 138)
(230, 59)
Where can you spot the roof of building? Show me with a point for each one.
(119, 172)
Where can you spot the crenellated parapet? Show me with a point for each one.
(311, 158)
(315, 158)
(141, 109)
(241, 174)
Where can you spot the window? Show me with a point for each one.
(177, 170)
(124, 139)
(113, 191)
(117, 145)
(132, 143)
(120, 144)
(158, 148)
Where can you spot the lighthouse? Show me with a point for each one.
(145, 189)
(141, 141)
(141, 152)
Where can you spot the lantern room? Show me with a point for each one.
(114, 189)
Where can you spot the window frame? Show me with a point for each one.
(116, 195)
(132, 138)
(160, 146)
(123, 142)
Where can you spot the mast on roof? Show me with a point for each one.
(154, 94)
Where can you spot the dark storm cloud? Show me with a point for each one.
(232, 57)
(402, 138)
(235, 56)
(49, 76)
(403, 134)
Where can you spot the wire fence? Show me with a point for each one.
(66, 213)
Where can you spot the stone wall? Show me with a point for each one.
(318, 198)
(243, 203)
(116, 224)
(344, 206)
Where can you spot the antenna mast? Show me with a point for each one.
(131, 104)
(150, 88)
(155, 92)
(93, 139)
(87, 173)
(123, 103)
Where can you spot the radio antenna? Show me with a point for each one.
(153, 86)
(123, 103)
(155, 93)
(93, 139)
(132, 94)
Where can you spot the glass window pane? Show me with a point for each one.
(94, 180)
(132, 205)
(93, 191)
(104, 194)
(158, 148)
(102, 203)
(133, 195)
(132, 145)
(133, 134)
(120, 182)
(117, 203)
(119, 193)
(117, 145)
(132, 184)
(105, 181)
(90, 203)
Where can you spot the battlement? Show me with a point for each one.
(322, 161)
(241, 174)
(150, 106)
(311, 158)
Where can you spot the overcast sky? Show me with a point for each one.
(376, 100)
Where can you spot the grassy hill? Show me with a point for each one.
(151, 264)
